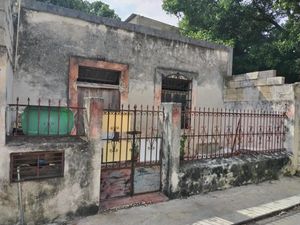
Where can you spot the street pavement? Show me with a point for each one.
(231, 206)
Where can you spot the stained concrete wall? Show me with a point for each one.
(264, 91)
(74, 194)
(210, 175)
(49, 199)
(296, 113)
(50, 35)
(6, 61)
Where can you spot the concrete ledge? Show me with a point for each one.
(258, 82)
(254, 75)
(210, 175)
(259, 93)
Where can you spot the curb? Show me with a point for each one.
(252, 214)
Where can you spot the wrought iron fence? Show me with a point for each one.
(214, 133)
(44, 119)
(132, 135)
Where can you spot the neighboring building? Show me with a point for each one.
(147, 22)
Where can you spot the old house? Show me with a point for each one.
(66, 81)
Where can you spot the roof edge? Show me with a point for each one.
(65, 12)
(129, 18)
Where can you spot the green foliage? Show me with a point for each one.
(265, 34)
(97, 8)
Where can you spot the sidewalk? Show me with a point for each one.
(230, 206)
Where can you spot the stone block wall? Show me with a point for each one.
(264, 91)
(216, 174)
(258, 90)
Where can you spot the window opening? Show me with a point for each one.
(97, 75)
(36, 165)
(177, 88)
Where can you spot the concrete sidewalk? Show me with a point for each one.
(232, 206)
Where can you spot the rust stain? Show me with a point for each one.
(176, 115)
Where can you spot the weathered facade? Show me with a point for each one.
(44, 55)
(56, 46)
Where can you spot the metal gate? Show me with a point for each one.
(131, 151)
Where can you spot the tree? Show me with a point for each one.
(265, 34)
(97, 8)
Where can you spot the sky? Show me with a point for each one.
(148, 8)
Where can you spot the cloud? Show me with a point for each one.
(148, 8)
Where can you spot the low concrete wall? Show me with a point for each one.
(210, 175)
(50, 199)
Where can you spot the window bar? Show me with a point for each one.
(194, 132)
(274, 132)
(248, 150)
(39, 115)
(279, 143)
(271, 127)
(198, 134)
(113, 142)
(243, 122)
(121, 135)
(237, 135)
(282, 133)
(250, 132)
(77, 121)
(256, 143)
(17, 119)
(68, 122)
(127, 134)
(224, 133)
(216, 135)
(107, 137)
(157, 135)
(146, 135)
(58, 117)
(257, 126)
(263, 118)
(220, 131)
(268, 131)
(27, 116)
(233, 132)
(212, 133)
(141, 129)
(277, 132)
(203, 135)
(184, 137)
(189, 126)
(49, 103)
(151, 140)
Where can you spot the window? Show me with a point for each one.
(177, 88)
(96, 75)
(36, 165)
